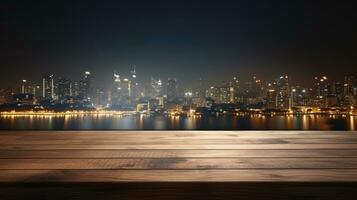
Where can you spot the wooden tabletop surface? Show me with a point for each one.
(77, 156)
(37, 157)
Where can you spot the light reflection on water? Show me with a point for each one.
(241, 122)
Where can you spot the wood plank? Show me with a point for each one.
(47, 165)
(150, 141)
(242, 175)
(181, 190)
(271, 153)
(164, 147)
(175, 134)
(181, 163)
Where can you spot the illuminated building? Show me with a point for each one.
(48, 87)
(321, 90)
(121, 91)
(64, 89)
(156, 88)
(100, 97)
(188, 98)
(349, 87)
(337, 89)
(219, 95)
(24, 86)
(283, 93)
(134, 85)
(234, 84)
(253, 91)
(115, 93)
(271, 99)
(30, 88)
(300, 96)
(86, 87)
(75, 88)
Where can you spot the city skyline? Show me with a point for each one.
(194, 82)
(186, 40)
(127, 92)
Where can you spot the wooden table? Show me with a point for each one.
(178, 165)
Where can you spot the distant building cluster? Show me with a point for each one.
(166, 96)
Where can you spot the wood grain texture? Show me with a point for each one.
(178, 164)
(231, 175)
(180, 153)
(181, 163)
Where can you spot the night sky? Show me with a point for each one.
(175, 38)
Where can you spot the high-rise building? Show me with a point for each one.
(156, 88)
(75, 89)
(30, 88)
(337, 90)
(64, 89)
(24, 86)
(116, 90)
(283, 93)
(220, 94)
(321, 87)
(48, 87)
(300, 96)
(100, 97)
(171, 89)
(121, 92)
(86, 87)
(125, 93)
(234, 89)
(271, 99)
(349, 86)
(134, 85)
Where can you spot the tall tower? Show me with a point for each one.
(283, 93)
(133, 72)
(116, 90)
(134, 94)
(24, 86)
(48, 87)
(156, 86)
(86, 87)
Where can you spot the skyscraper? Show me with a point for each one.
(320, 87)
(86, 87)
(271, 99)
(234, 84)
(64, 89)
(24, 86)
(48, 87)
(283, 93)
(171, 89)
(349, 86)
(121, 91)
(220, 94)
(156, 88)
(134, 85)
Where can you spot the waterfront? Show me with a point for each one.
(143, 122)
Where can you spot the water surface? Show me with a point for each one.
(137, 122)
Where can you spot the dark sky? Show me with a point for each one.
(177, 38)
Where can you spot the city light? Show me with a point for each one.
(61, 96)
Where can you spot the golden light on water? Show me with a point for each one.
(125, 120)
(352, 123)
